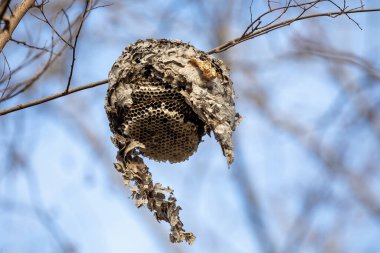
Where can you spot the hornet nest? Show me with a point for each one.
(163, 97)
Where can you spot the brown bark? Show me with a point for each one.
(14, 20)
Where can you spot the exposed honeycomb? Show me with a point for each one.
(161, 119)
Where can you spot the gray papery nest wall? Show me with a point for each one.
(163, 97)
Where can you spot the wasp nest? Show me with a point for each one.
(167, 95)
(163, 97)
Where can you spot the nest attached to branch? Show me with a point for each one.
(163, 97)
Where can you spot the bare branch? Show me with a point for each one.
(26, 84)
(52, 97)
(52, 27)
(9, 76)
(75, 44)
(3, 7)
(250, 12)
(268, 28)
(22, 86)
(343, 10)
(19, 13)
(28, 45)
(68, 24)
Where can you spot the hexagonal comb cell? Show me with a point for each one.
(164, 123)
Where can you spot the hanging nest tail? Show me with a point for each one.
(163, 97)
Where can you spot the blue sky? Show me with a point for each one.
(66, 152)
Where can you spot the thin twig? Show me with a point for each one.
(9, 76)
(68, 23)
(63, 10)
(51, 26)
(264, 30)
(275, 10)
(52, 97)
(28, 45)
(100, 6)
(29, 83)
(250, 12)
(41, 53)
(343, 10)
(75, 45)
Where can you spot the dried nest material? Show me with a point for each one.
(163, 97)
(154, 196)
(167, 95)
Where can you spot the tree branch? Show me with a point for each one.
(75, 45)
(261, 31)
(29, 45)
(18, 14)
(52, 97)
(3, 7)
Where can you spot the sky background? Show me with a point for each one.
(59, 191)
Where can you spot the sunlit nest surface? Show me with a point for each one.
(166, 95)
